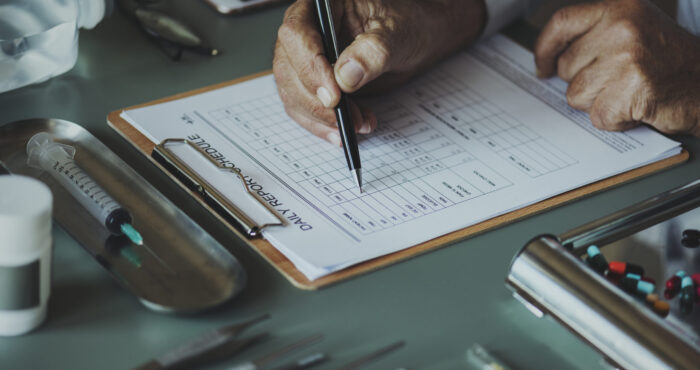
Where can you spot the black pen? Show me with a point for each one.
(342, 111)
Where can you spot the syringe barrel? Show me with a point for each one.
(57, 159)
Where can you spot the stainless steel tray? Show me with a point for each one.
(183, 269)
(550, 277)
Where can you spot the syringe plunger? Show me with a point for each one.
(57, 159)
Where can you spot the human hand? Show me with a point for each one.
(626, 63)
(388, 42)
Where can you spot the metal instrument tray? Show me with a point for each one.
(550, 277)
(183, 269)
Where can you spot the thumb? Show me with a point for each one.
(368, 56)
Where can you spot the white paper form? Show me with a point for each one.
(459, 145)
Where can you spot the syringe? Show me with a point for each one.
(57, 159)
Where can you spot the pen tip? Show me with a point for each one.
(358, 178)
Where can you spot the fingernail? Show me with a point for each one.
(365, 128)
(351, 73)
(324, 96)
(334, 138)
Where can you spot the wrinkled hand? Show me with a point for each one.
(387, 41)
(626, 63)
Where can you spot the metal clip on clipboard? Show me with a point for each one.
(221, 204)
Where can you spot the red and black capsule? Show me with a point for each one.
(673, 284)
(624, 268)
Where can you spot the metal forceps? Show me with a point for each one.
(208, 347)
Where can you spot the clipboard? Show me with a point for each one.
(284, 266)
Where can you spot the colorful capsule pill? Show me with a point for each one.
(613, 278)
(643, 278)
(661, 308)
(696, 283)
(596, 259)
(645, 287)
(673, 284)
(691, 238)
(637, 287)
(622, 268)
(687, 295)
(696, 278)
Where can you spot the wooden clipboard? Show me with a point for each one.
(283, 265)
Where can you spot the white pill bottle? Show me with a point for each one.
(25, 253)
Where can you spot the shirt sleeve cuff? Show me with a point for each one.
(502, 12)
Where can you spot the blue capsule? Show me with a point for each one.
(645, 287)
(636, 287)
(596, 259)
(687, 295)
(593, 251)
(686, 282)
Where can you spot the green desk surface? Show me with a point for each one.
(440, 303)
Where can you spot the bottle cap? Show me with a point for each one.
(25, 218)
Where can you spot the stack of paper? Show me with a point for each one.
(477, 137)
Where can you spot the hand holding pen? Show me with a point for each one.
(305, 78)
(383, 43)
